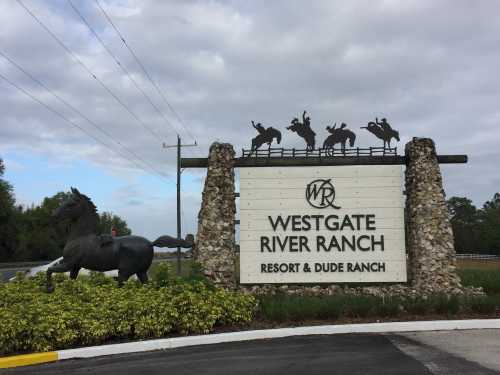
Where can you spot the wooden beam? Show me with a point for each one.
(316, 161)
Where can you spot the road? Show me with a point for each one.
(335, 354)
(9, 272)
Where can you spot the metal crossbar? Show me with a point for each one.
(320, 152)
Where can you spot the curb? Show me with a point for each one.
(178, 342)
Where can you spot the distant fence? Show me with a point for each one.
(478, 256)
(319, 152)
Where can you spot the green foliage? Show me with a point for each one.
(92, 310)
(162, 274)
(284, 308)
(475, 230)
(107, 221)
(8, 215)
(489, 280)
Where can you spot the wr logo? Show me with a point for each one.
(321, 194)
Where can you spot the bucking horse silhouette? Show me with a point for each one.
(265, 136)
(303, 130)
(340, 135)
(382, 130)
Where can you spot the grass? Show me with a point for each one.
(489, 279)
(186, 265)
(284, 308)
(478, 264)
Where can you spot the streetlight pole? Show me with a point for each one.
(179, 146)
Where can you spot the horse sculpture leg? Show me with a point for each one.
(73, 274)
(142, 276)
(122, 277)
(57, 268)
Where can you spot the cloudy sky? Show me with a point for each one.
(429, 67)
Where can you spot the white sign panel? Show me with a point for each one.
(322, 224)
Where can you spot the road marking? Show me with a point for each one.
(28, 359)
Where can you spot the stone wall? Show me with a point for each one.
(214, 248)
(432, 263)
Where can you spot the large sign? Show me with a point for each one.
(322, 224)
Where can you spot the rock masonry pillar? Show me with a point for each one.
(215, 240)
(432, 263)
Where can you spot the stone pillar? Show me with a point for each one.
(214, 248)
(432, 266)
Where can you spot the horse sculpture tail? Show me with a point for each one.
(169, 241)
(352, 138)
(278, 136)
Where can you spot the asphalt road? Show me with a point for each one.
(336, 354)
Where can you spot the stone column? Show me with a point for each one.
(215, 241)
(432, 266)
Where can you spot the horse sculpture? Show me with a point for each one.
(85, 248)
(383, 131)
(303, 130)
(340, 135)
(265, 136)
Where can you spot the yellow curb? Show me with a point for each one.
(27, 359)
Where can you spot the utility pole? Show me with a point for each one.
(179, 146)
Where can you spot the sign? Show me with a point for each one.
(322, 224)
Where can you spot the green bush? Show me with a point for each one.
(92, 310)
(161, 274)
(489, 280)
(484, 305)
(283, 308)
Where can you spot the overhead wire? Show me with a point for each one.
(122, 67)
(87, 69)
(76, 110)
(143, 68)
(60, 115)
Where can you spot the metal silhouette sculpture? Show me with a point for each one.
(338, 135)
(382, 130)
(265, 136)
(85, 248)
(303, 130)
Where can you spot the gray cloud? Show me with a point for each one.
(429, 67)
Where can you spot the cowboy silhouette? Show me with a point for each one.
(303, 130)
(259, 127)
(384, 125)
(264, 136)
(382, 130)
(338, 135)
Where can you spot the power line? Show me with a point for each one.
(122, 67)
(60, 115)
(136, 58)
(99, 128)
(87, 69)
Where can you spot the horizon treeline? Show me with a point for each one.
(29, 234)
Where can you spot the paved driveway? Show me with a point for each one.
(336, 354)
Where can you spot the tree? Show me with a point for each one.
(8, 213)
(108, 221)
(464, 222)
(41, 238)
(490, 223)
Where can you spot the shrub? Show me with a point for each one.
(484, 305)
(161, 274)
(489, 280)
(92, 310)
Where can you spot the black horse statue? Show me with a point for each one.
(265, 136)
(340, 135)
(303, 129)
(85, 248)
(383, 131)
